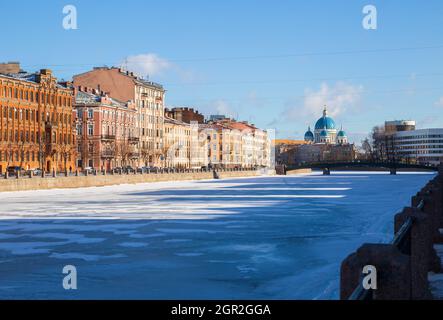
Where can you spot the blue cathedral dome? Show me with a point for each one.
(325, 122)
(309, 136)
(324, 133)
(341, 133)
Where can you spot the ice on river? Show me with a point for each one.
(249, 238)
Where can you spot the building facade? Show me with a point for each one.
(323, 152)
(285, 150)
(233, 144)
(107, 134)
(36, 125)
(424, 146)
(177, 143)
(148, 98)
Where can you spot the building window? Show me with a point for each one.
(90, 129)
(90, 113)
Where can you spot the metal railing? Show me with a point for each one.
(138, 170)
(402, 241)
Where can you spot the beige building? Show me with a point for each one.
(149, 99)
(177, 144)
(183, 148)
(233, 144)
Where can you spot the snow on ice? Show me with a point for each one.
(250, 238)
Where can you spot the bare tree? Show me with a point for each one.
(145, 155)
(65, 151)
(379, 147)
(367, 149)
(123, 151)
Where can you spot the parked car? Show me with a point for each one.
(89, 170)
(14, 170)
(117, 170)
(35, 172)
(128, 169)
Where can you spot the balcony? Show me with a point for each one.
(134, 155)
(108, 137)
(108, 154)
(133, 139)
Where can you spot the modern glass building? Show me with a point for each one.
(424, 146)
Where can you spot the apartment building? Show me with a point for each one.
(177, 143)
(233, 144)
(148, 98)
(36, 125)
(107, 132)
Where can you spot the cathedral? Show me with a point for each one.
(326, 132)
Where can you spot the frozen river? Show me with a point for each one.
(252, 238)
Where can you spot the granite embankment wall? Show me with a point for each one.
(402, 266)
(100, 180)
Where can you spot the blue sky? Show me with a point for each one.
(274, 63)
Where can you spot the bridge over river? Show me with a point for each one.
(393, 167)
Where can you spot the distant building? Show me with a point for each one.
(185, 114)
(400, 141)
(10, 68)
(217, 117)
(233, 144)
(325, 143)
(254, 144)
(285, 150)
(182, 146)
(392, 127)
(325, 153)
(424, 146)
(326, 131)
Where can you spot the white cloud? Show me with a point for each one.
(148, 64)
(339, 98)
(222, 107)
(439, 103)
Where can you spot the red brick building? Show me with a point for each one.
(36, 127)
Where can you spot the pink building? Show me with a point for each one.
(106, 131)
